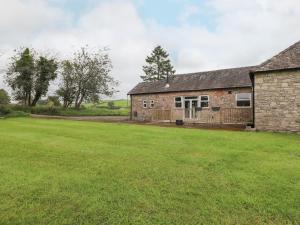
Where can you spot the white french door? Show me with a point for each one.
(190, 105)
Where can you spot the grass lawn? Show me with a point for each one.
(66, 172)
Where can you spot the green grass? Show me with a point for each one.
(67, 172)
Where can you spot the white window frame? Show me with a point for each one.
(236, 100)
(145, 105)
(151, 104)
(200, 101)
(181, 101)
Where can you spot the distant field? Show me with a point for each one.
(67, 172)
(123, 103)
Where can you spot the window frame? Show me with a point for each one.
(236, 100)
(144, 104)
(200, 101)
(151, 105)
(181, 102)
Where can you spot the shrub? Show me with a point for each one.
(54, 100)
(4, 110)
(45, 110)
(42, 110)
(17, 114)
(111, 105)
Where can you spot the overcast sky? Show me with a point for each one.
(198, 34)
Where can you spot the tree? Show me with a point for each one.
(4, 97)
(67, 86)
(29, 77)
(20, 76)
(45, 72)
(92, 76)
(158, 65)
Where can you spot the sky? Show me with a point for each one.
(199, 35)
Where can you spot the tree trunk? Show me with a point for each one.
(65, 103)
(79, 101)
(35, 100)
(29, 99)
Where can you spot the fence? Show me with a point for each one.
(160, 115)
(222, 116)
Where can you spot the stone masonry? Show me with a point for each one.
(277, 101)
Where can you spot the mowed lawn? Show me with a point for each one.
(65, 172)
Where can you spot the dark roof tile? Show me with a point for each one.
(218, 79)
(287, 59)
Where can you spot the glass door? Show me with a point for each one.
(194, 105)
(190, 105)
(187, 106)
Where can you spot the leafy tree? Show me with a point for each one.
(67, 85)
(45, 72)
(4, 97)
(92, 76)
(20, 76)
(29, 77)
(158, 65)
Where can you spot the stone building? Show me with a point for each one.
(214, 97)
(266, 96)
(277, 92)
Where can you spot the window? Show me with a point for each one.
(144, 104)
(191, 97)
(152, 104)
(178, 102)
(204, 101)
(243, 100)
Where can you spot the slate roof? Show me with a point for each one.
(217, 79)
(287, 59)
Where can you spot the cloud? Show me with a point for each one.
(245, 33)
(188, 11)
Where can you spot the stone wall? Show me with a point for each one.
(225, 99)
(277, 101)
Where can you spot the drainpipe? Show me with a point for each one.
(253, 97)
(130, 105)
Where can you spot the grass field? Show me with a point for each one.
(65, 172)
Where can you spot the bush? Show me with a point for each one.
(111, 105)
(45, 110)
(7, 111)
(17, 114)
(42, 110)
(54, 101)
(4, 110)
